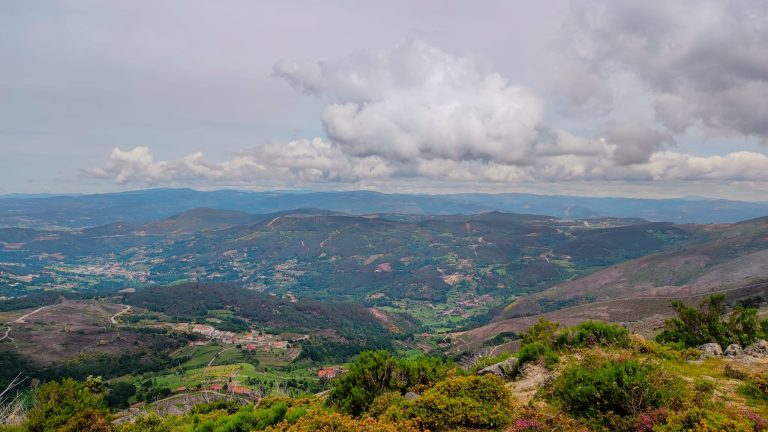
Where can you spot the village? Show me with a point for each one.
(250, 341)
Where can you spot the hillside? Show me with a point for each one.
(715, 258)
(447, 271)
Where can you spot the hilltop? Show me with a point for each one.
(81, 211)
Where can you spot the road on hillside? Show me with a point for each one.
(217, 355)
(20, 319)
(113, 318)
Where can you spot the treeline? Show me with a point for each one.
(349, 328)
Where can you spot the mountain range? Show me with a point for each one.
(79, 211)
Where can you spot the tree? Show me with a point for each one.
(119, 393)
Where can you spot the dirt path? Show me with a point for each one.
(20, 319)
(5, 336)
(113, 319)
(217, 355)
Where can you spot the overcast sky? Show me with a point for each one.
(603, 97)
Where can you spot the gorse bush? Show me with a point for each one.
(320, 421)
(544, 338)
(57, 403)
(246, 419)
(377, 372)
(594, 333)
(693, 327)
(623, 387)
(470, 401)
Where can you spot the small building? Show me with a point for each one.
(180, 389)
(328, 373)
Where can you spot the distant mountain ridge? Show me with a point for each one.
(152, 204)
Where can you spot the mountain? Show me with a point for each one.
(715, 258)
(448, 269)
(56, 212)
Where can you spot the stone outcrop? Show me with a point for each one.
(712, 349)
(733, 350)
(502, 369)
(757, 349)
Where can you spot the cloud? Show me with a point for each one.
(417, 101)
(703, 62)
(634, 143)
(416, 112)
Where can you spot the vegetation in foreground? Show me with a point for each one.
(594, 376)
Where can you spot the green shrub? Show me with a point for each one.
(246, 419)
(58, 402)
(377, 372)
(594, 333)
(534, 352)
(470, 401)
(597, 387)
(698, 419)
(693, 327)
(755, 387)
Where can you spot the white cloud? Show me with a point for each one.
(414, 113)
(417, 101)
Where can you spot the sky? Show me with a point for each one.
(585, 97)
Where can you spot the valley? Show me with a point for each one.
(224, 307)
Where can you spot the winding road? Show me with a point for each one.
(113, 318)
(20, 319)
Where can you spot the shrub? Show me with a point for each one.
(535, 351)
(698, 419)
(693, 327)
(377, 372)
(471, 401)
(337, 422)
(543, 339)
(246, 419)
(59, 402)
(594, 333)
(755, 387)
(88, 420)
(623, 387)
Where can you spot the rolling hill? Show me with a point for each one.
(715, 258)
(135, 207)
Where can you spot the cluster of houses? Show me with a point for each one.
(251, 341)
(329, 373)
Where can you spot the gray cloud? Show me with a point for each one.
(634, 143)
(418, 112)
(704, 62)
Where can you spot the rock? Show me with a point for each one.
(733, 350)
(757, 349)
(711, 349)
(411, 396)
(502, 369)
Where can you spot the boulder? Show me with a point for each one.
(502, 369)
(733, 350)
(711, 349)
(411, 396)
(757, 349)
